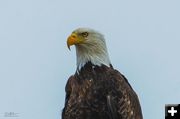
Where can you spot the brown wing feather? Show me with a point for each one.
(100, 93)
(129, 106)
(68, 92)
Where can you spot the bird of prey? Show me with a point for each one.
(97, 90)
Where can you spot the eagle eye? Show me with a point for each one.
(84, 34)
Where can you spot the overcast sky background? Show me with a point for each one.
(143, 39)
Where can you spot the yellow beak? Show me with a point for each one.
(73, 39)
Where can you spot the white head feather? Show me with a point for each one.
(93, 50)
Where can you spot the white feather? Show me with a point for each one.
(93, 50)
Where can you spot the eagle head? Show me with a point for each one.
(90, 47)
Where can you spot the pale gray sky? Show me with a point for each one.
(143, 39)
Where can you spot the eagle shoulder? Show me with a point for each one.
(128, 101)
(68, 89)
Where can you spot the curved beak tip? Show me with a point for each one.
(71, 40)
(69, 48)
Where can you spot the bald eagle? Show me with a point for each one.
(97, 90)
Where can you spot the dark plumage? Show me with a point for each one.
(100, 92)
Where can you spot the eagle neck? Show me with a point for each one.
(90, 70)
(97, 56)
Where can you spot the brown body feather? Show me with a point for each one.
(100, 92)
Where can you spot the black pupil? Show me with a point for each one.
(85, 34)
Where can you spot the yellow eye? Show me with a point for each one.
(84, 34)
